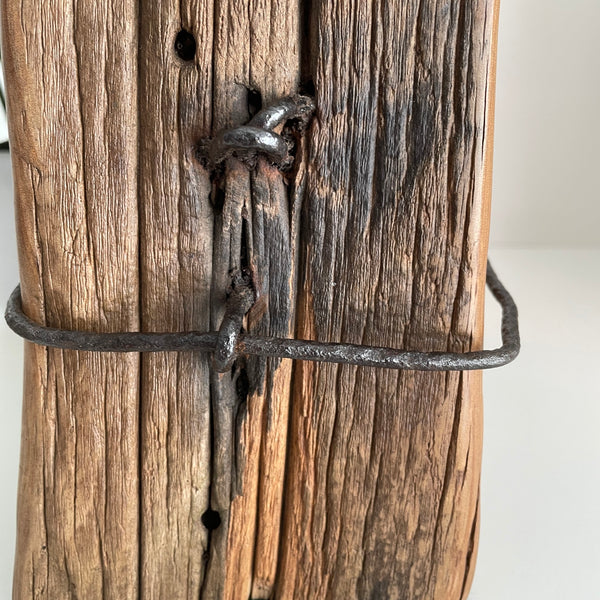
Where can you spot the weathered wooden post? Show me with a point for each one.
(156, 476)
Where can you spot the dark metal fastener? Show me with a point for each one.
(258, 136)
(246, 143)
(245, 344)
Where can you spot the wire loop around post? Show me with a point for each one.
(247, 344)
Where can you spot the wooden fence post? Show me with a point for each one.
(153, 476)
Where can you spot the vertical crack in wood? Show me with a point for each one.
(258, 45)
(140, 303)
(471, 552)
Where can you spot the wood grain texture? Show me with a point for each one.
(72, 93)
(176, 228)
(257, 50)
(383, 472)
(155, 476)
(84, 82)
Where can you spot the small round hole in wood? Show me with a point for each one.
(211, 519)
(185, 45)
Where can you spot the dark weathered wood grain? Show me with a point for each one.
(383, 472)
(155, 476)
(257, 57)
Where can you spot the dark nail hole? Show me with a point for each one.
(185, 45)
(242, 386)
(217, 198)
(211, 519)
(307, 87)
(244, 250)
(254, 101)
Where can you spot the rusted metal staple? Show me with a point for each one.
(225, 342)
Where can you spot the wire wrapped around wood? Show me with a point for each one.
(245, 143)
(246, 344)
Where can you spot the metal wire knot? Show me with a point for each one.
(239, 302)
(246, 142)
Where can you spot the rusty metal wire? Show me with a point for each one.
(245, 143)
(232, 345)
(258, 136)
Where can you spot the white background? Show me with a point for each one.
(540, 528)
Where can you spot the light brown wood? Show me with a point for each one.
(155, 476)
(175, 268)
(72, 93)
(114, 160)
